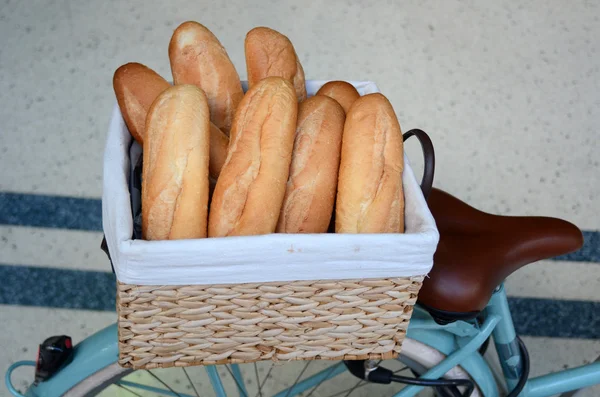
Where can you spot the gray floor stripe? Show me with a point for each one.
(50, 211)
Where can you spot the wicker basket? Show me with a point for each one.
(164, 326)
(241, 301)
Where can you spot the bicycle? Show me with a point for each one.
(460, 306)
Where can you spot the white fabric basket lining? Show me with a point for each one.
(273, 257)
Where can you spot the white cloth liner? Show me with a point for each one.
(273, 257)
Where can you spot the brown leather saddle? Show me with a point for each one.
(477, 251)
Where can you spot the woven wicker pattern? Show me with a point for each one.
(163, 326)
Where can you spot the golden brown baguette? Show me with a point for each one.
(175, 172)
(343, 92)
(136, 87)
(197, 57)
(370, 197)
(269, 53)
(312, 183)
(250, 189)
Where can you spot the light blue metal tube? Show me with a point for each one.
(9, 372)
(564, 381)
(504, 332)
(455, 358)
(215, 380)
(480, 372)
(237, 374)
(475, 365)
(505, 338)
(426, 331)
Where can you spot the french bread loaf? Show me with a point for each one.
(269, 53)
(341, 91)
(197, 57)
(249, 192)
(136, 87)
(370, 197)
(175, 172)
(312, 183)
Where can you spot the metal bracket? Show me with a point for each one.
(422, 320)
(463, 329)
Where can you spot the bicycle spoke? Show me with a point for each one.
(163, 383)
(360, 384)
(297, 379)
(326, 377)
(127, 389)
(257, 379)
(191, 383)
(240, 387)
(265, 380)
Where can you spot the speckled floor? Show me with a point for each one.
(508, 92)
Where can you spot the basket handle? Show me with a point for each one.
(104, 247)
(428, 156)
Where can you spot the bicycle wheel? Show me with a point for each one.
(305, 378)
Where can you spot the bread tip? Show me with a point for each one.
(132, 67)
(187, 34)
(190, 25)
(263, 33)
(260, 29)
(123, 69)
(369, 100)
(374, 96)
(329, 100)
(129, 65)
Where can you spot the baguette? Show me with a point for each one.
(175, 172)
(269, 53)
(249, 192)
(370, 197)
(197, 57)
(311, 187)
(136, 87)
(343, 92)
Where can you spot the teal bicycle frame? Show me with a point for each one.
(459, 341)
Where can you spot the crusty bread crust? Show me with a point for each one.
(175, 171)
(312, 183)
(370, 197)
(136, 87)
(249, 192)
(269, 53)
(341, 91)
(197, 57)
